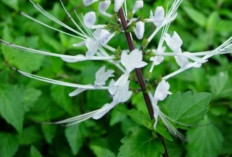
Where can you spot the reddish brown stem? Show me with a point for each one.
(140, 75)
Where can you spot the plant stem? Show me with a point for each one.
(140, 76)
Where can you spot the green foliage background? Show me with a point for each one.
(26, 103)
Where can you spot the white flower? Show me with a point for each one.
(138, 5)
(118, 4)
(102, 76)
(162, 91)
(133, 60)
(174, 42)
(182, 61)
(157, 17)
(90, 20)
(121, 93)
(139, 30)
(103, 6)
(157, 60)
(89, 2)
(103, 36)
(92, 46)
(122, 80)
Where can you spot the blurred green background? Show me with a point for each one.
(25, 103)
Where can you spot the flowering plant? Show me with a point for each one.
(96, 39)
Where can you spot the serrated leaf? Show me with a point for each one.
(220, 85)
(8, 145)
(140, 142)
(34, 152)
(204, 141)
(196, 16)
(188, 108)
(75, 137)
(14, 102)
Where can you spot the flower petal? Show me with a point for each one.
(138, 5)
(90, 19)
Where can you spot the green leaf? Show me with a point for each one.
(213, 21)
(8, 145)
(101, 151)
(140, 142)
(60, 95)
(186, 108)
(14, 102)
(196, 16)
(220, 85)
(30, 135)
(141, 118)
(204, 141)
(75, 136)
(49, 132)
(12, 3)
(34, 152)
(22, 60)
(117, 115)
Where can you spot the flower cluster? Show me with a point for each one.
(96, 37)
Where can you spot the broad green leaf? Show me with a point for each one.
(49, 132)
(101, 151)
(30, 135)
(8, 145)
(117, 115)
(34, 152)
(196, 16)
(204, 141)
(75, 137)
(14, 102)
(22, 60)
(220, 85)
(60, 96)
(186, 108)
(140, 142)
(141, 118)
(213, 21)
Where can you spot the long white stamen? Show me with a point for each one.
(74, 22)
(46, 25)
(171, 15)
(225, 46)
(64, 57)
(83, 25)
(76, 118)
(51, 17)
(44, 79)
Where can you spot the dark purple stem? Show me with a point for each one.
(140, 75)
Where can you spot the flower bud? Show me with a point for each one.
(118, 4)
(139, 30)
